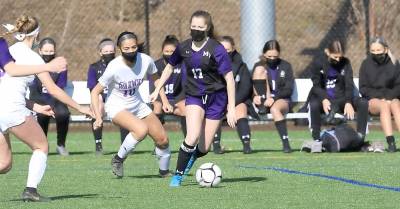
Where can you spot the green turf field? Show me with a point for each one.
(84, 180)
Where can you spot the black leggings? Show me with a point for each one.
(359, 104)
(62, 122)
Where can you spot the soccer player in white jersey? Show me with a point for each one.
(126, 107)
(15, 117)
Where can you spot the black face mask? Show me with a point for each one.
(379, 58)
(197, 35)
(130, 56)
(335, 63)
(108, 57)
(166, 57)
(48, 57)
(231, 54)
(273, 63)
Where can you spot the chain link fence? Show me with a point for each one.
(304, 28)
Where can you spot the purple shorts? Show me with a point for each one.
(214, 104)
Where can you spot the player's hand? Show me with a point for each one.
(257, 100)
(326, 105)
(57, 65)
(153, 96)
(97, 123)
(269, 102)
(231, 116)
(167, 107)
(86, 111)
(349, 111)
(43, 109)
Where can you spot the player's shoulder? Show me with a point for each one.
(24, 55)
(145, 57)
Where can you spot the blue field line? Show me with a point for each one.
(335, 178)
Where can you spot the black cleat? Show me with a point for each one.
(392, 147)
(217, 149)
(246, 148)
(286, 146)
(99, 149)
(31, 195)
(117, 167)
(164, 174)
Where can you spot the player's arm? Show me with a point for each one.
(160, 82)
(230, 86)
(166, 106)
(58, 64)
(59, 94)
(42, 109)
(95, 102)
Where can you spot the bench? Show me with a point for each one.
(81, 94)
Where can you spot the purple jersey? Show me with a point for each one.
(39, 93)
(330, 82)
(204, 68)
(5, 56)
(173, 86)
(273, 77)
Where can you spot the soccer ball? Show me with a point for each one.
(208, 175)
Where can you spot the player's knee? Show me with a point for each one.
(275, 111)
(141, 133)
(5, 167)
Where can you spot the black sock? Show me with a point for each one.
(260, 85)
(123, 133)
(282, 130)
(217, 135)
(98, 133)
(243, 130)
(119, 159)
(161, 118)
(390, 139)
(185, 152)
(183, 125)
(198, 153)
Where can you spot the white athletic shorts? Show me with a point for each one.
(11, 119)
(140, 109)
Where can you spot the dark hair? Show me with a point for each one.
(271, 45)
(124, 36)
(336, 47)
(170, 40)
(228, 39)
(208, 19)
(47, 40)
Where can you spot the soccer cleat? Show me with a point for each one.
(99, 149)
(31, 195)
(392, 147)
(190, 163)
(286, 146)
(61, 150)
(117, 167)
(218, 149)
(176, 181)
(246, 148)
(316, 147)
(164, 174)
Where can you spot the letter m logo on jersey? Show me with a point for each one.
(206, 54)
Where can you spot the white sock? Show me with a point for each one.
(37, 166)
(163, 155)
(127, 146)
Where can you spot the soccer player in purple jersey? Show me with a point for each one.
(15, 117)
(209, 89)
(333, 92)
(40, 95)
(172, 99)
(273, 85)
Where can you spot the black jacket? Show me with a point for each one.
(285, 80)
(379, 81)
(241, 74)
(344, 84)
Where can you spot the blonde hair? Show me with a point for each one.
(381, 41)
(23, 24)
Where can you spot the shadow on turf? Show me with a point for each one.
(244, 179)
(151, 176)
(63, 197)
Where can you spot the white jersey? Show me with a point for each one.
(123, 84)
(13, 89)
